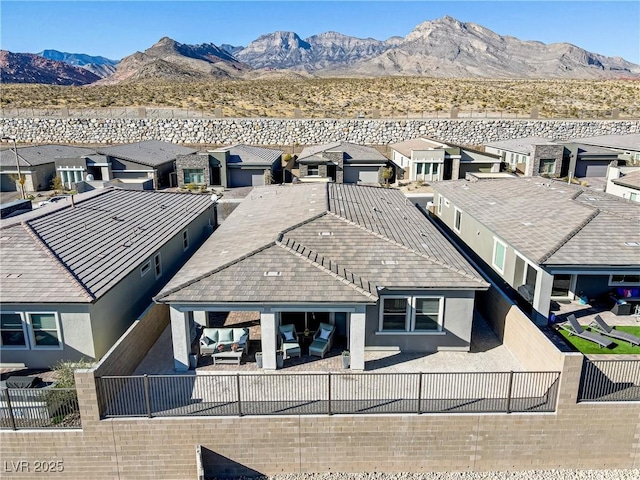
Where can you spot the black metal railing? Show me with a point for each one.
(39, 408)
(326, 393)
(610, 381)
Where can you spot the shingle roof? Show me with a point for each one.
(354, 152)
(149, 152)
(40, 155)
(376, 240)
(520, 145)
(406, 147)
(249, 155)
(550, 222)
(76, 254)
(630, 141)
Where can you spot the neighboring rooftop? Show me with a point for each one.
(250, 156)
(329, 243)
(585, 149)
(76, 254)
(408, 146)
(41, 154)
(552, 223)
(353, 152)
(629, 142)
(148, 152)
(631, 179)
(520, 145)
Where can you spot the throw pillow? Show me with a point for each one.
(225, 335)
(206, 340)
(324, 334)
(288, 336)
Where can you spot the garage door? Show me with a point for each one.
(361, 174)
(7, 184)
(246, 178)
(591, 169)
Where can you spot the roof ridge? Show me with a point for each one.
(297, 225)
(48, 251)
(214, 271)
(404, 247)
(357, 282)
(568, 237)
(607, 197)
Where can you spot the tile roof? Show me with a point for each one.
(584, 149)
(406, 147)
(354, 152)
(41, 154)
(630, 141)
(76, 254)
(520, 145)
(550, 222)
(631, 179)
(148, 152)
(319, 251)
(249, 155)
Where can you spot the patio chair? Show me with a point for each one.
(600, 326)
(574, 328)
(322, 340)
(290, 345)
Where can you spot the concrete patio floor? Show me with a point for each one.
(585, 313)
(487, 355)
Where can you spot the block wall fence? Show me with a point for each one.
(292, 132)
(578, 435)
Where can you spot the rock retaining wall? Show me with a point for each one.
(265, 131)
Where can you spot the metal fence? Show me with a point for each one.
(610, 381)
(39, 408)
(326, 393)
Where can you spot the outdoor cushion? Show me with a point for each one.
(225, 335)
(288, 336)
(210, 334)
(206, 340)
(324, 334)
(238, 333)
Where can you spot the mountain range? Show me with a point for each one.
(444, 47)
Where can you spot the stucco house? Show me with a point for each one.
(627, 146)
(624, 182)
(37, 165)
(234, 166)
(359, 257)
(546, 239)
(344, 162)
(75, 275)
(582, 160)
(429, 160)
(150, 163)
(530, 155)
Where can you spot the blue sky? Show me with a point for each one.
(116, 29)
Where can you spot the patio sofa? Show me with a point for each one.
(212, 338)
(623, 298)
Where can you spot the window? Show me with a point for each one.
(157, 263)
(625, 279)
(44, 330)
(313, 170)
(499, 253)
(440, 200)
(435, 170)
(194, 175)
(12, 331)
(419, 168)
(145, 268)
(547, 165)
(185, 240)
(411, 314)
(457, 219)
(634, 197)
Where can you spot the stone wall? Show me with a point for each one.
(192, 161)
(264, 131)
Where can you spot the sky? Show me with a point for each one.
(115, 29)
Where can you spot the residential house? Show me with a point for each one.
(530, 155)
(582, 160)
(429, 160)
(75, 275)
(344, 162)
(37, 165)
(624, 182)
(546, 239)
(627, 146)
(149, 164)
(234, 166)
(359, 257)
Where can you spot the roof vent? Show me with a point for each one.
(389, 262)
(272, 274)
(527, 224)
(117, 219)
(325, 234)
(632, 244)
(13, 275)
(492, 203)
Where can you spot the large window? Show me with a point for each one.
(44, 330)
(411, 314)
(12, 330)
(622, 280)
(457, 220)
(547, 165)
(157, 264)
(499, 254)
(194, 175)
(313, 170)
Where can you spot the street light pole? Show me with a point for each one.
(15, 152)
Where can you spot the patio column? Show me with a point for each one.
(180, 332)
(268, 330)
(356, 340)
(542, 297)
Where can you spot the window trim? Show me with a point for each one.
(622, 284)
(410, 316)
(496, 240)
(316, 167)
(25, 332)
(157, 265)
(32, 337)
(440, 202)
(185, 240)
(457, 219)
(191, 170)
(144, 268)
